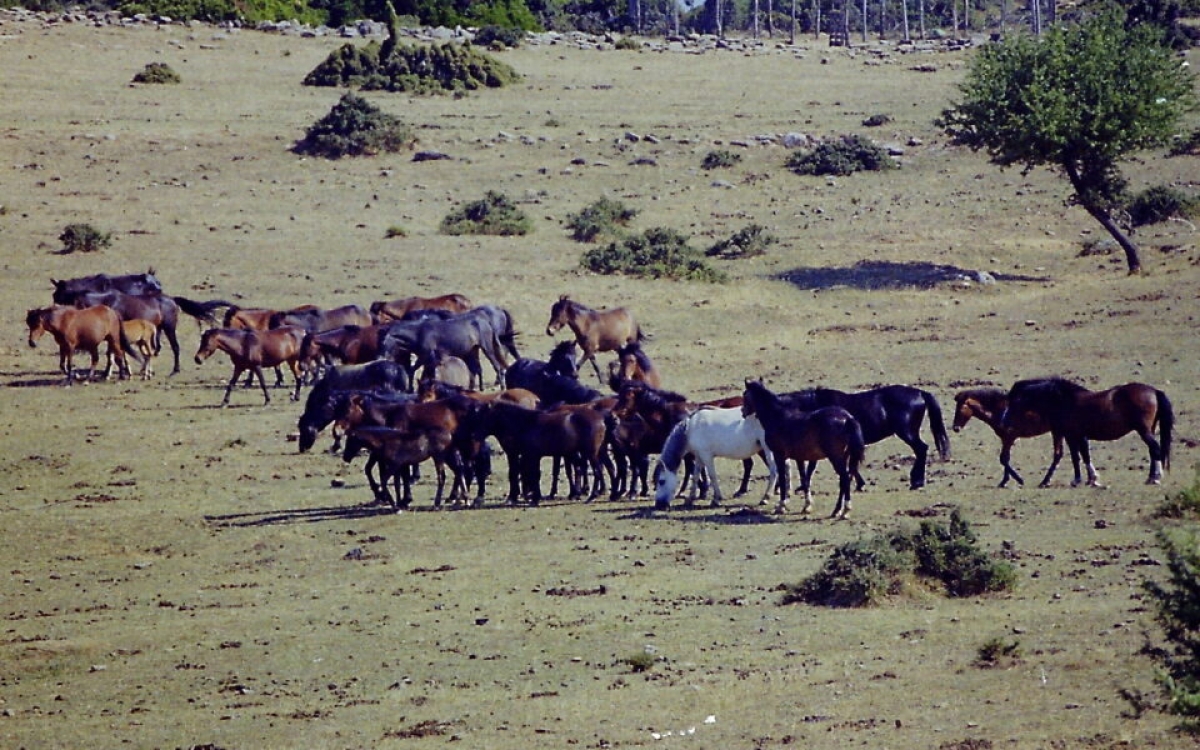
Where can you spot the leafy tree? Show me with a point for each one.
(1077, 99)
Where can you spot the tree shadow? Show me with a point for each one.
(876, 275)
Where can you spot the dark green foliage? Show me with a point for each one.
(1160, 203)
(628, 44)
(505, 36)
(604, 217)
(846, 155)
(414, 69)
(720, 159)
(83, 238)
(156, 73)
(1177, 610)
(355, 127)
(215, 11)
(1187, 145)
(864, 572)
(657, 253)
(748, 242)
(495, 214)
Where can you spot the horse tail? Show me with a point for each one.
(940, 437)
(203, 311)
(856, 447)
(642, 335)
(508, 337)
(1166, 421)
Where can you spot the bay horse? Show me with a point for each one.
(141, 339)
(385, 311)
(253, 350)
(84, 330)
(988, 405)
(320, 407)
(633, 364)
(134, 283)
(1079, 415)
(159, 309)
(316, 319)
(829, 432)
(882, 412)
(595, 330)
(349, 345)
(706, 434)
(397, 452)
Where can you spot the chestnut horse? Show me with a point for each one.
(386, 311)
(74, 329)
(254, 350)
(595, 330)
(987, 405)
(633, 364)
(1079, 415)
(830, 432)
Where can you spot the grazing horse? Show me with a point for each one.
(141, 341)
(254, 350)
(988, 405)
(882, 412)
(321, 406)
(633, 364)
(1079, 415)
(134, 283)
(159, 309)
(84, 330)
(316, 320)
(830, 432)
(706, 434)
(385, 311)
(397, 452)
(595, 330)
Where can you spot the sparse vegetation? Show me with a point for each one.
(657, 253)
(1177, 609)
(628, 44)
(642, 661)
(436, 69)
(499, 36)
(83, 238)
(846, 155)
(355, 127)
(748, 242)
(494, 214)
(395, 231)
(605, 217)
(1160, 203)
(1186, 145)
(999, 652)
(1183, 504)
(720, 159)
(156, 72)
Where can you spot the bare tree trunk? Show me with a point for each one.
(864, 21)
(921, 15)
(1101, 214)
(846, 21)
(904, 19)
(770, 19)
(882, 20)
(754, 21)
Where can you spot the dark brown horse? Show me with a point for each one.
(85, 330)
(349, 345)
(987, 405)
(595, 330)
(807, 436)
(253, 350)
(316, 320)
(633, 364)
(1080, 415)
(397, 452)
(385, 311)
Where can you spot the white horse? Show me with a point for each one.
(707, 434)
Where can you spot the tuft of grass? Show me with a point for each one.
(876, 120)
(720, 159)
(495, 214)
(657, 253)
(998, 652)
(628, 44)
(156, 72)
(83, 238)
(605, 217)
(642, 661)
(395, 231)
(846, 155)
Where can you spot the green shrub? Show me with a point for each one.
(156, 73)
(1177, 610)
(846, 155)
(604, 217)
(642, 661)
(1187, 145)
(1160, 203)
(748, 242)
(657, 253)
(414, 69)
(1183, 504)
(395, 231)
(495, 214)
(355, 127)
(628, 44)
(83, 238)
(720, 159)
(505, 36)
(864, 572)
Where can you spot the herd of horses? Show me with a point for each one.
(402, 381)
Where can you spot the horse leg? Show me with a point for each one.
(173, 340)
(916, 478)
(780, 460)
(1057, 456)
(844, 481)
(709, 463)
(262, 382)
(1006, 445)
(1074, 447)
(747, 468)
(772, 470)
(1147, 435)
(295, 368)
(237, 371)
(591, 357)
(1085, 452)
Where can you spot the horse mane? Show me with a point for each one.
(562, 348)
(674, 447)
(634, 349)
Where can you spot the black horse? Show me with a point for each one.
(321, 407)
(882, 412)
(133, 283)
(464, 336)
(160, 309)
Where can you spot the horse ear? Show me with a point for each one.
(562, 298)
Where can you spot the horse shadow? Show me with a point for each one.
(298, 515)
(877, 275)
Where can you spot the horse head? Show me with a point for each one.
(36, 321)
(559, 312)
(208, 344)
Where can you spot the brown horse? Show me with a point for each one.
(1079, 415)
(84, 330)
(807, 436)
(397, 452)
(385, 311)
(595, 330)
(987, 405)
(142, 341)
(316, 320)
(432, 391)
(633, 364)
(253, 350)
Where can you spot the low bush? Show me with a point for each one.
(495, 215)
(846, 155)
(604, 217)
(627, 43)
(997, 652)
(657, 253)
(355, 127)
(748, 242)
(875, 121)
(1160, 203)
(866, 571)
(504, 36)
(720, 159)
(83, 238)
(444, 68)
(1188, 145)
(156, 73)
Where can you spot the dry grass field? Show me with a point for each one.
(173, 574)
